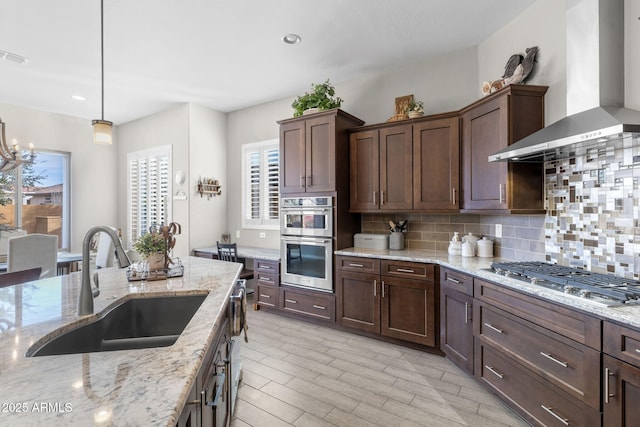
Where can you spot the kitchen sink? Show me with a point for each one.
(134, 324)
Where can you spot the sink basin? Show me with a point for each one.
(136, 323)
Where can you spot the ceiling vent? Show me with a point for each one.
(12, 57)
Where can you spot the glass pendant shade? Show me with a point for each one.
(102, 132)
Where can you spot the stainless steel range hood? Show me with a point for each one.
(595, 89)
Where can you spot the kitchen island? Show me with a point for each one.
(126, 387)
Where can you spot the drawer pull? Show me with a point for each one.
(490, 326)
(356, 265)
(466, 312)
(375, 288)
(405, 270)
(266, 267)
(607, 394)
(291, 301)
(637, 350)
(265, 279)
(451, 279)
(550, 357)
(494, 372)
(564, 421)
(319, 307)
(265, 296)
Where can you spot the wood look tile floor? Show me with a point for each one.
(297, 373)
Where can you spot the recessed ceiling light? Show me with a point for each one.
(78, 97)
(291, 38)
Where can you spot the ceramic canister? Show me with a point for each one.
(485, 248)
(473, 239)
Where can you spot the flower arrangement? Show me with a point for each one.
(416, 106)
(322, 96)
(149, 243)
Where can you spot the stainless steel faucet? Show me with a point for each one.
(85, 301)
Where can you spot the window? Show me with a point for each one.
(148, 189)
(260, 184)
(40, 203)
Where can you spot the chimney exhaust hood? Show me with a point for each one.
(595, 90)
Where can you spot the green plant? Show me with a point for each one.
(416, 106)
(148, 244)
(322, 96)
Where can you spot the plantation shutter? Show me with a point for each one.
(261, 184)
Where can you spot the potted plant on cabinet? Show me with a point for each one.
(152, 248)
(416, 109)
(322, 97)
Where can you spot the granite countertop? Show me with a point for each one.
(128, 387)
(627, 314)
(268, 254)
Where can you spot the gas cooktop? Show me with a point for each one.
(600, 288)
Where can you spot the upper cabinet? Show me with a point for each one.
(314, 151)
(399, 167)
(381, 169)
(489, 125)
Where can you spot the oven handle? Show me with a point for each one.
(305, 211)
(317, 241)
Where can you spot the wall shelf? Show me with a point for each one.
(209, 187)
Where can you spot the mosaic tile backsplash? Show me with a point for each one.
(592, 209)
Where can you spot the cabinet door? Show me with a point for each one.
(358, 300)
(408, 310)
(621, 393)
(292, 157)
(456, 327)
(436, 165)
(484, 131)
(320, 154)
(364, 170)
(396, 168)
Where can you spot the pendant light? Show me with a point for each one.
(102, 129)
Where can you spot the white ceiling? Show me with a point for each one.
(225, 55)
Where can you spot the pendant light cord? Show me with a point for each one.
(102, 53)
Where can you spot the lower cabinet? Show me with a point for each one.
(266, 274)
(392, 298)
(456, 317)
(308, 303)
(620, 375)
(208, 401)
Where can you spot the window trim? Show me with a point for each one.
(263, 223)
(159, 151)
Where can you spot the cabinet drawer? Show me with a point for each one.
(266, 266)
(320, 306)
(564, 321)
(267, 295)
(456, 280)
(540, 402)
(267, 278)
(622, 342)
(363, 265)
(412, 270)
(566, 363)
(204, 254)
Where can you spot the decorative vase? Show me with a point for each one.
(155, 261)
(396, 241)
(311, 111)
(415, 114)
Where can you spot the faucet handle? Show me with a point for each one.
(96, 291)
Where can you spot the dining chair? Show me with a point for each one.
(33, 250)
(105, 251)
(229, 252)
(17, 277)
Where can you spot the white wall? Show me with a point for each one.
(94, 168)
(444, 83)
(632, 59)
(543, 24)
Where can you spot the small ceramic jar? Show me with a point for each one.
(485, 248)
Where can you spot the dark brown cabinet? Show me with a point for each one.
(620, 375)
(308, 303)
(436, 164)
(393, 298)
(381, 169)
(267, 280)
(314, 150)
(489, 125)
(456, 317)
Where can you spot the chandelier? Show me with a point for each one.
(11, 157)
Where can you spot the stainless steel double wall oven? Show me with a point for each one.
(306, 246)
